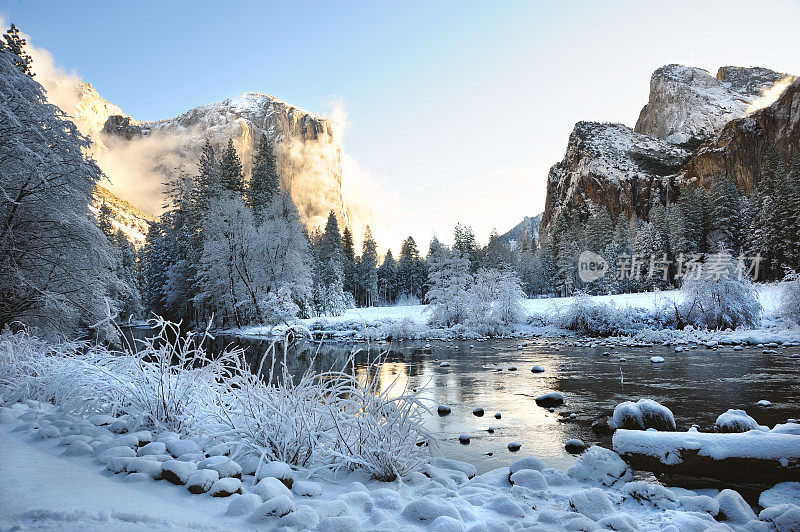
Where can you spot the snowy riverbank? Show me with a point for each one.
(543, 316)
(61, 471)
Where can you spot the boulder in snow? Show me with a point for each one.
(643, 414)
(528, 478)
(244, 504)
(274, 507)
(279, 470)
(428, 509)
(270, 487)
(736, 421)
(201, 480)
(177, 472)
(592, 502)
(225, 487)
(600, 466)
(783, 493)
(733, 508)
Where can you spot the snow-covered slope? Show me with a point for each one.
(133, 222)
(610, 166)
(687, 105)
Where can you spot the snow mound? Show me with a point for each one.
(529, 478)
(222, 465)
(155, 447)
(225, 487)
(275, 507)
(783, 493)
(177, 447)
(427, 510)
(505, 506)
(732, 507)
(600, 466)
(244, 504)
(736, 421)
(529, 462)
(699, 503)
(782, 517)
(648, 494)
(592, 502)
(643, 414)
(270, 487)
(306, 488)
(201, 480)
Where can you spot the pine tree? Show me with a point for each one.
(329, 292)
(230, 170)
(465, 242)
(387, 279)
(411, 271)
(15, 44)
(726, 225)
(264, 180)
(349, 263)
(208, 185)
(104, 220)
(367, 274)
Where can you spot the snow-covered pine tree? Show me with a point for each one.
(465, 242)
(104, 220)
(207, 186)
(497, 253)
(411, 271)
(329, 292)
(726, 224)
(349, 264)
(55, 264)
(387, 279)
(15, 45)
(230, 170)
(264, 182)
(367, 271)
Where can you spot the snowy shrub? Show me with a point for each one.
(381, 430)
(789, 308)
(601, 319)
(279, 308)
(407, 300)
(449, 295)
(497, 298)
(722, 297)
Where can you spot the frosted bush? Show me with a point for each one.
(380, 430)
(789, 308)
(280, 308)
(601, 319)
(722, 297)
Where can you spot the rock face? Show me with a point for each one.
(611, 166)
(695, 128)
(133, 222)
(307, 146)
(739, 149)
(689, 106)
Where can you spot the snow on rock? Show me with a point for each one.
(732, 507)
(270, 487)
(600, 466)
(782, 517)
(643, 414)
(657, 360)
(201, 480)
(514, 446)
(358, 501)
(736, 421)
(222, 465)
(177, 447)
(550, 399)
(177, 472)
(155, 447)
(783, 493)
(529, 462)
(456, 465)
(78, 448)
(279, 470)
(443, 410)
(306, 488)
(699, 503)
(274, 507)
(108, 454)
(620, 522)
(787, 428)
(117, 464)
(101, 420)
(145, 465)
(427, 510)
(225, 487)
(529, 478)
(648, 494)
(592, 502)
(243, 504)
(574, 446)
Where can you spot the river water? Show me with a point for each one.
(697, 385)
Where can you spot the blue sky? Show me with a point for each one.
(457, 109)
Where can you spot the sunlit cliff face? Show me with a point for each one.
(770, 95)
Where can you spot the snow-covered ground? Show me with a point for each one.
(411, 321)
(56, 473)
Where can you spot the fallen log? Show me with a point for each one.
(756, 456)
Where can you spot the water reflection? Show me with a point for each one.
(696, 385)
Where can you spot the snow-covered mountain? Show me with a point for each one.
(531, 223)
(138, 157)
(625, 170)
(688, 106)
